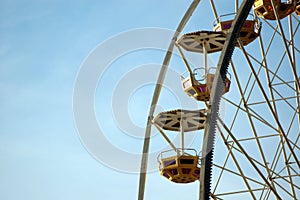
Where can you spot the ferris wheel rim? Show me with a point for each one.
(143, 170)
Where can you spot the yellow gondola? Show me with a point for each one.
(179, 165)
(181, 168)
(297, 11)
(265, 10)
(249, 31)
(201, 91)
(204, 42)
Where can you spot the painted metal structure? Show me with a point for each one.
(264, 102)
(266, 8)
(249, 31)
(180, 168)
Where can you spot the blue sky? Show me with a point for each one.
(44, 44)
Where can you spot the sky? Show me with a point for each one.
(43, 45)
(51, 72)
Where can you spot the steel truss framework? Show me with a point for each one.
(260, 135)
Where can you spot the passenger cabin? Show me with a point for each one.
(265, 10)
(297, 11)
(249, 31)
(179, 165)
(201, 91)
(180, 168)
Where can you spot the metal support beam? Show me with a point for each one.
(158, 87)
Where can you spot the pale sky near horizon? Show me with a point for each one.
(43, 45)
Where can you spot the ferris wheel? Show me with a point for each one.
(258, 152)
